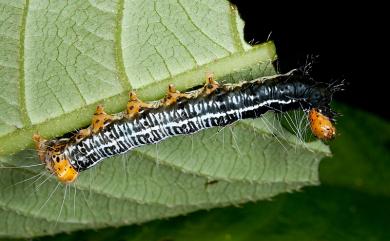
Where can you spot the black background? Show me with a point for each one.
(346, 39)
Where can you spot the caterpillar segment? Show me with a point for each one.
(135, 105)
(147, 123)
(99, 120)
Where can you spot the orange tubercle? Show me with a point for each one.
(39, 141)
(321, 126)
(99, 119)
(135, 105)
(64, 171)
(211, 85)
(174, 95)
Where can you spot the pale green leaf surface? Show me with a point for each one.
(351, 204)
(60, 58)
(10, 20)
(72, 55)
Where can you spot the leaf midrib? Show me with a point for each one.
(234, 28)
(21, 138)
(120, 66)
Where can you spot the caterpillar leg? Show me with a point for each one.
(100, 118)
(211, 85)
(134, 105)
(174, 95)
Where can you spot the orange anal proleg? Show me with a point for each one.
(99, 119)
(134, 105)
(321, 126)
(64, 171)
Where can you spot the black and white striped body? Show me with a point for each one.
(221, 108)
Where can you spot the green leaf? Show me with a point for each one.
(321, 213)
(210, 169)
(363, 145)
(351, 204)
(59, 60)
(62, 58)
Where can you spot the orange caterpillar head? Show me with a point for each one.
(51, 154)
(321, 125)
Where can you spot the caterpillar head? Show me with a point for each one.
(52, 155)
(321, 125)
(321, 116)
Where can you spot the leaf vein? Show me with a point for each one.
(120, 66)
(174, 35)
(26, 121)
(200, 29)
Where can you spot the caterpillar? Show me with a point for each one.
(186, 113)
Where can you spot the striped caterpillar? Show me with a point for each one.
(186, 113)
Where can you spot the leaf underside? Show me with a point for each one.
(59, 59)
(349, 205)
